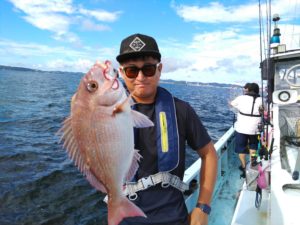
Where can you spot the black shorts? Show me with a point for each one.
(244, 142)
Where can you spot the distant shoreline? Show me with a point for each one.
(2, 67)
(191, 83)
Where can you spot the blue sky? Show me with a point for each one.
(200, 40)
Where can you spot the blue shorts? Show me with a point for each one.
(244, 142)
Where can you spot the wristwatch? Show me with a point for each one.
(204, 207)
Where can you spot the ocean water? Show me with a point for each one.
(39, 185)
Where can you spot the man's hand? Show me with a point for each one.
(198, 217)
(261, 110)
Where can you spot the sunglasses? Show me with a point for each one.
(148, 70)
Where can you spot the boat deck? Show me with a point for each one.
(225, 201)
(248, 214)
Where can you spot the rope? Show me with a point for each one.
(258, 197)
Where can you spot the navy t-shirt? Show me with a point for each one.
(165, 205)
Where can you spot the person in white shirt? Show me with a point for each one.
(246, 127)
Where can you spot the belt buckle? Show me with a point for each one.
(147, 182)
(166, 180)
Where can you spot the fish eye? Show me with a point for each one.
(92, 86)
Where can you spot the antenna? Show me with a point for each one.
(275, 40)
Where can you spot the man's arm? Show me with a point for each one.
(208, 176)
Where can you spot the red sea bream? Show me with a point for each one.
(98, 136)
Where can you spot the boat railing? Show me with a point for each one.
(192, 174)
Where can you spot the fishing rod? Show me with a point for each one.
(265, 66)
(262, 149)
(268, 62)
(261, 59)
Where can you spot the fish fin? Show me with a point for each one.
(140, 120)
(75, 155)
(122, 106)
(94, 181)
(131, 101)
(124, 208)
(73, 98)
(134, 165)
(70, 144)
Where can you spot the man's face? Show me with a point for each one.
(143, 88)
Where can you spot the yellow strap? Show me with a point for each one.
(164, 132)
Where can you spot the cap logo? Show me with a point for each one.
(137, 44)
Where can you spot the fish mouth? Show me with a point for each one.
(111, 74)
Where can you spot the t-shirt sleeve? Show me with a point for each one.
(235, 102)
(197, 136)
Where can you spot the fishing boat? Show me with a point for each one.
(278, 202)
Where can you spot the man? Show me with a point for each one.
(163, 146)
(249, 108)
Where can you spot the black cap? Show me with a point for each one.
(138, 45)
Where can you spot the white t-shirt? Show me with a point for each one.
(247, 124)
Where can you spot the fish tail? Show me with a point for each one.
(125, 208)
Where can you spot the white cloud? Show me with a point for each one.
(227, 54)
(100, 14)
(34, 50)
(212, 56)
(290, 35)
(49, 21)
(45, 57)
(59, 16)
(32, 7)
(216, 12)
(67, 37)
(288, 9)
(89, 25)
(77, 65)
